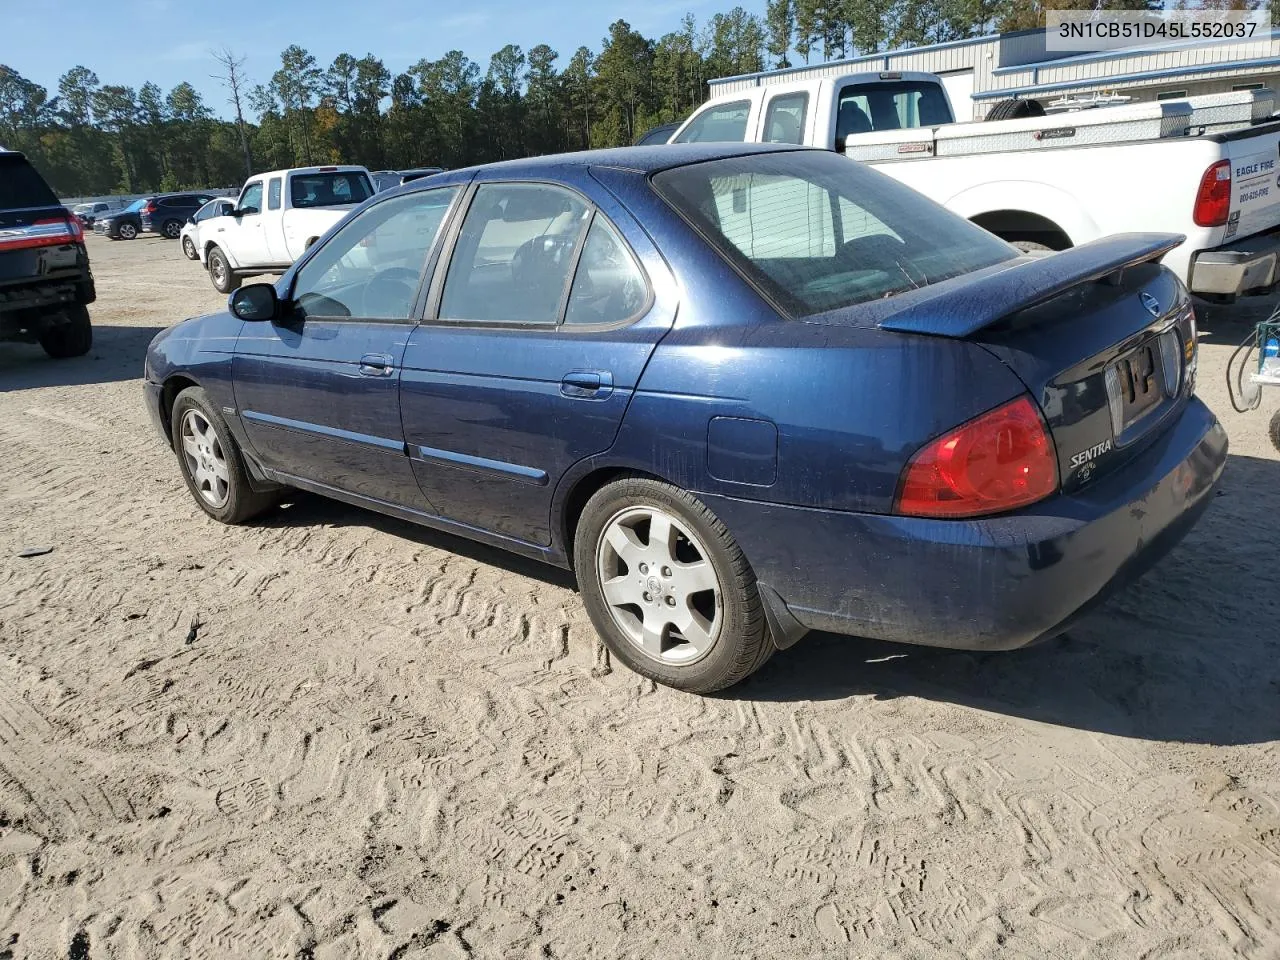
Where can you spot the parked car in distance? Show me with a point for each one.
(277, 216)
(189, 236)
(46, 285)
(1046, 182)
(659, 134)
(167, 213)
(87, 213)
(386, 179)
(742, 391)
(123, 224)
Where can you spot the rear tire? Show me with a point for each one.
(70, 339)
(211, 462)
(696, 621)
(189, 249)
(171, 229)
(224, 280)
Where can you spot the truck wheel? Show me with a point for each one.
(211, 462)
(171, 229)
(224, 280)
(70, 339)
(667, 587)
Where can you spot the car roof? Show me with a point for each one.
(642, 160)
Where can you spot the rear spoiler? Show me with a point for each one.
(964, 310)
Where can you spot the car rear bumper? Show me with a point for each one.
(993, 584)
(1245, 265)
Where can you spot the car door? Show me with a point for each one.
(243, 234)
(273, 235)
(538, 332)
(317, 390)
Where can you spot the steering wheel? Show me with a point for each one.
(388, 293)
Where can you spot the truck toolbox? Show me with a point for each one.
(1218, 112)
(1142, 121)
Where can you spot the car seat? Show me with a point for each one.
(850, 120)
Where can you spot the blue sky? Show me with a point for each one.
(124, 41)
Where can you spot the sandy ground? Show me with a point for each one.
(386, 742)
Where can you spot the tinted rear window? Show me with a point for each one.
(21, 186)
(816, 232)
(329, 189)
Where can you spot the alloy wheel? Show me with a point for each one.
(660, 585)
(206, 461)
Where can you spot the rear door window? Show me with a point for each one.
(784, 119)
(721, 123)
(21, 186)
(273, 194)
(608, 286)
(514, 254)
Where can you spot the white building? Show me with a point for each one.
(983, 70)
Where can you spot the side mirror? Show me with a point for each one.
(256, 301)
(191, 219)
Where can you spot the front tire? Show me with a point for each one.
(189, 249)
(128, 231)
(224, 280)
(667, 587)
(1275, 430)
(211, 462)
(70, 339)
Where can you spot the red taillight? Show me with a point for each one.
(999, 461)
(150, 207)
(46, 232)
(1213, 199)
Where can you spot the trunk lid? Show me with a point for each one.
(1101, 335)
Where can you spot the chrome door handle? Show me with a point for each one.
(376, 365)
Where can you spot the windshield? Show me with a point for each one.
(329, 189)
(815, 232)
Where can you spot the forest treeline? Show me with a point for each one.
(91, 137)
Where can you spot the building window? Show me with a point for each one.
(1246, 86)
(1171, 94)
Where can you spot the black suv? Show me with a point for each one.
(45, 281)
(166, 214)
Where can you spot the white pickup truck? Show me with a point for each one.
(277, 216)
(1206, 167)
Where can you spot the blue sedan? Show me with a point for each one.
(743, 392)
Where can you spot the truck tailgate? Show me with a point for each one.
(1254, 153)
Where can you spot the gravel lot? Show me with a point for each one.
(382, 741)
